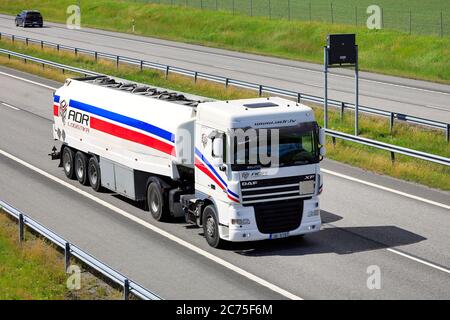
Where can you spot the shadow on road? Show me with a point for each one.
(338, 240)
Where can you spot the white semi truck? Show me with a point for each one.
(180, 155)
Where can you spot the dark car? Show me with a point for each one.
(29, 18)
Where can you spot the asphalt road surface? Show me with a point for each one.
(369, 220)
(417, 98)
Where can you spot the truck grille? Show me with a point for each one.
(279, 216)
(267, 190)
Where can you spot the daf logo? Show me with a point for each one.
(249, 183)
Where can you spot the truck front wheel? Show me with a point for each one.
(81, 164)
(156, 203)
(67, 162)
(211, 227)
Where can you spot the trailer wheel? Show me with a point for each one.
(93, 173)
(80, 167)
(211, 227)
(155, 202)
(67, 162)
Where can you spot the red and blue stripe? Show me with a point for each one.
(163, 140)
(56, 105)
(205, 166)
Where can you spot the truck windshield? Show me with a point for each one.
(298, 145)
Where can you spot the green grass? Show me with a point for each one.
(425, 15)
(410, 136)
(33, 270)
(383, 51)
(29, 271)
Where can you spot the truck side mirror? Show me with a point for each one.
(322, 151)
(217, 150)
(322, 138)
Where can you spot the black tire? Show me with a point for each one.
(67, 162)
(211, 227)
(156, 202)
(81, 163)
(93, 173)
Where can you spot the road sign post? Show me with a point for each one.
(340, 52)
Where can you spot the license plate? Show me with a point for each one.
(279, 235)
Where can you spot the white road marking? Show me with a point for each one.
(404, 194)
(29, 81)
(166, 234)
(10, 106)
(419, 260)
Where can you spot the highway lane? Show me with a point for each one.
(418, 98)
(362, 222)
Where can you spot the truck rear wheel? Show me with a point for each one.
(93, 173)
(81, 163)
(156, 203)
(211, 227)
(67, 162)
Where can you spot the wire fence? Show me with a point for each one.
(434, 21)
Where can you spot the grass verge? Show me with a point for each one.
(410, 136)
(383, 51)
(33, 270)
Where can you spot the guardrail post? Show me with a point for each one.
(26, 41)
(76, 51)
(12, 38)
(42, 45)
(141, 65)
(391, 122)
(299, 97)
(392, 157)
(226, 82)
(334, 141)
(447, 133)
(117, 62)
(0, 36)
(195, 76)
(96, 56)
(167, 72)
(21, 228)
(25, 60)
(126, 289)
(67, 256)
(260, 90)
(342, 110)
(57, 47)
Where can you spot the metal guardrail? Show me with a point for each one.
(70, 250)
(334, 134)
(389, 147)
(392, 116)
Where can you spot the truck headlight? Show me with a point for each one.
(240, 222)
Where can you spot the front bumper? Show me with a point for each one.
(250, 232)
